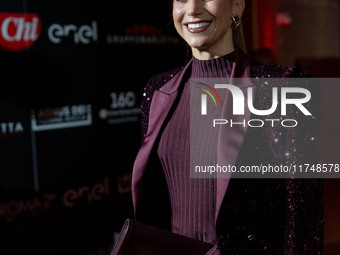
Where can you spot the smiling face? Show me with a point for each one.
(205, 25)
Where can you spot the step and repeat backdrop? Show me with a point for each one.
(72, 78)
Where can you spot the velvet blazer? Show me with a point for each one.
(253, 216)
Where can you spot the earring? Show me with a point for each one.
(235, 22)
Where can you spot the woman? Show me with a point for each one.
(238, 216)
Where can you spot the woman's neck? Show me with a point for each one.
(206, 55)
(213, 68)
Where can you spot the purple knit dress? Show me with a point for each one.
(192, 199)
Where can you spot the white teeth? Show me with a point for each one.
(198, 25)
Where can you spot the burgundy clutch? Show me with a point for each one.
(137, 238)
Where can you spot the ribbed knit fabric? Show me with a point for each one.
(192, 199)
(213, 68)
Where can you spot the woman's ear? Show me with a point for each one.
(238, 7)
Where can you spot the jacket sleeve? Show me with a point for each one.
(145, 107)
(154, 83)
(305, 216)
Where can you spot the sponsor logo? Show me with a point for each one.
(18, 31)
(70, 198)
(84, 34)
(97, 192)
(61, 117)
(11, 128)
(29, 206)
(122, 108)
(124, 183)
(57, 118)
(142, 34)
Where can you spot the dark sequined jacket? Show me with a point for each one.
(257, 216)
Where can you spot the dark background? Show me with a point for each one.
(81, 194)
(66, 190)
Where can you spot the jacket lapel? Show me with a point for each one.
(231, 139)
(161, 104)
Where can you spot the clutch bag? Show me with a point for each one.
(137, 238)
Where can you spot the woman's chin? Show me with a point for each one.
(198, 43)
(199, 46)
